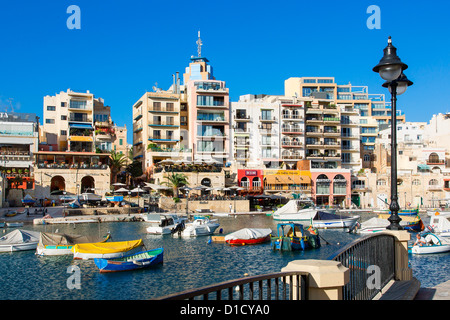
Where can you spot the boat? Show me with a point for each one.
(296, 210)
(14, 224)
(410, 223)
(2, 224)
(163, 223)
(200, 227)
(140, 260)
(379, 224)
(19, 240)
(106, 250)
(440, 224)
(53, 244)
(434, 244)
(323, 219)
(75, 204)
(11, 213)
(28, 200)
(248, 236)
(292, 236)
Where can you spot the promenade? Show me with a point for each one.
(439, 292)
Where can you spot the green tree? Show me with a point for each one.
(117, 161)
(176, 180)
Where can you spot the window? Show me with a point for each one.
(381, 182)
(74, 104)
(63, 132)
(120, 142)
(50, 121)
(63, 104)
(157, 106)
(169, 106)
(51, 108)
(416, 182)
(63, 117)
(266, 114)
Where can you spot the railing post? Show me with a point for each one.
(326, 278)
(402, 269)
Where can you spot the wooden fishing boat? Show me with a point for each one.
(106, 250)
(292, 236)
(248, 236)
(140, 260)
(410, 223)
(54, 244)
(11, 213)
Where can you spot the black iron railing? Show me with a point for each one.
(276, 286)
(371, 260)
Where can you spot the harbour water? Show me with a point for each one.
(188, 263)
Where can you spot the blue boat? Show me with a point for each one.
(140, 260)
(292, 236)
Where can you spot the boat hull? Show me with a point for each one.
(430, 249)
(54, 250)
(243, 242)
(136, 261)
(106, 250)
(337, 223)
(18, 247)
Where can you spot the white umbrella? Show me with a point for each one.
(138, 189)
(122, 190)
(226, 189)
(119, 184)
(166, 161)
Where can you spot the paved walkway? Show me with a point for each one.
(440, 292)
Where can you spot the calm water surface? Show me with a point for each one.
(188, 263)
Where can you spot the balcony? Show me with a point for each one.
(285, 144)
(79, 118)
(435, 187)
(434, 162)
(241, 118)
(288, 130)
(267, 119)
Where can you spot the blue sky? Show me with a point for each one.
(124, 47)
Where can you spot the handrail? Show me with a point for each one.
(363, 257)
(297, 292)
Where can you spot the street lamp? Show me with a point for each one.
(391, 69)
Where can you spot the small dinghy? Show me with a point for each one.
(19, 240)
(433, 245)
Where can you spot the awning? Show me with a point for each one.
(81, 126)
(423, 167)
(80, 138)
(284, 179)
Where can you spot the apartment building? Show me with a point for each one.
(19, 134)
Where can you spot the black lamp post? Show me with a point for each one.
(391, 69)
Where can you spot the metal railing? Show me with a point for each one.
(275, 286)
(364, 257)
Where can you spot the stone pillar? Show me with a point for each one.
(402, 269)
(326, 277)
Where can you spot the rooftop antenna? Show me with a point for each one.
(199, 45)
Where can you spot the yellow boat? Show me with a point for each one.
(106, 250)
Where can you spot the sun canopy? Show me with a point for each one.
(19, 236)
(107, 247)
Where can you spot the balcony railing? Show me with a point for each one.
(276, 286)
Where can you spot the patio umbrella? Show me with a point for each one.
(138, 189)
(166, 161)
(119, 184)
(121, 190)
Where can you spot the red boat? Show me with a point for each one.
(248, 236)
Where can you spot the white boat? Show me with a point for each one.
(19, 240)
(434, 212)
(434, 244)
(440, 224)
(163, 223)
(327, 220)
(200, 227)
(296, 210)
(379, 224)
(14, 224)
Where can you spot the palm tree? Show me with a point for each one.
(176, 180)
(118, 160)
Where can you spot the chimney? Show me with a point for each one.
(178, 82)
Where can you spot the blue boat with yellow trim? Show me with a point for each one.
(139, 260)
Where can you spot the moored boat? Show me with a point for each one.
(440, 224)
(14, 224)
(106, 250)
(162, 223)
(200, 227)
(292, 236)
(379, 224)
(139, 260)
(52, 244)
(296, 210)
(410, 223)
(19, 240)
(248, 236)
(328, 220)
